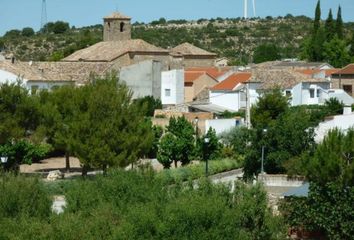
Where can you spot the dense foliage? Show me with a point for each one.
(329, 207)
(328, 42)
(98, 123)
(129, 205)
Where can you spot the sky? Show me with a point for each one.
(17, 14)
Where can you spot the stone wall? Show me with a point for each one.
(112, 30)
(340, 82)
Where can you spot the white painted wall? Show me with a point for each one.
(8, 77)
(342, 122)
(174, 81)
(222, 125)
(296, 95)
(228, 100)
(48, 85)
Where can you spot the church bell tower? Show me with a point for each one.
(116, 27)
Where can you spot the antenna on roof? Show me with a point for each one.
(44, 14)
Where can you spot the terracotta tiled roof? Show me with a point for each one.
(117, 15)
(111, 50)
(192, 76)
(212, 71)
(329, 72)
(187, 49)
(231, 82)
(346, 70)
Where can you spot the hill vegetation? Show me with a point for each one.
(235, 39)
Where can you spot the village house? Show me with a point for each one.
(196, 84)
(344, 79)
(228, 93)
(47, 75)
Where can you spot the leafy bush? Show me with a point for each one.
(21, 196)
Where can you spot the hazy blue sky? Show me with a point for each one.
(16, 14)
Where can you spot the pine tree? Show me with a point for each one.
(330, 27)
(339, 23)
(351, 51)
(317, 22)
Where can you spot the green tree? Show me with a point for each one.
(334, 106)
(108, 130)
(268, 108)
(212, 147)
(329, 206)
(184, 132)
(336, 53)
(266, 52)
(27, 32)
(150, 104)
(330, 26)
(167, 151)
(339, 23)
(317, 21)
(351, 51)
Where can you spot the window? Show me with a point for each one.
(318, 93)
(167, 92)
(34, 89)
(122, 27)
(288, 93)
(312, 93)
(348, 89)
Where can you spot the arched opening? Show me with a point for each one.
(122, 27)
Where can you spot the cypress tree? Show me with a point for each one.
(339, 23)
(330, 27)
(317, 22)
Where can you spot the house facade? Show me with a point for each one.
(195, 84)
(229, 94)
(344, 79)
(172, 87)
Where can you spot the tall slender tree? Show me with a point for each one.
(330, 26)
(317, 22)
(339, 23)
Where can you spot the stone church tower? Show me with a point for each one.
(116, 27)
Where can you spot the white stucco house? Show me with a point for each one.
(341, 122)
(229, 94)
(46, 75)
(172, 87)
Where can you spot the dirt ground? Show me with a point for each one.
(51, 164)
(58, 163)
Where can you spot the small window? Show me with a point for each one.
(288, 93)
(109, 24)
(318, 93)
(348, 89)
(122, 27)
(167, 92)
(312, 93)
(238, 123)
(34, 89)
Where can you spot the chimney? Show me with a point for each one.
(347, 110)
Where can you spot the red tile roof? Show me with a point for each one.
(212, 71)
(191, 76)
(347, 70)
(329, 72)
(231, 82)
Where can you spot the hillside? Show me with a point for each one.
(235, 39)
